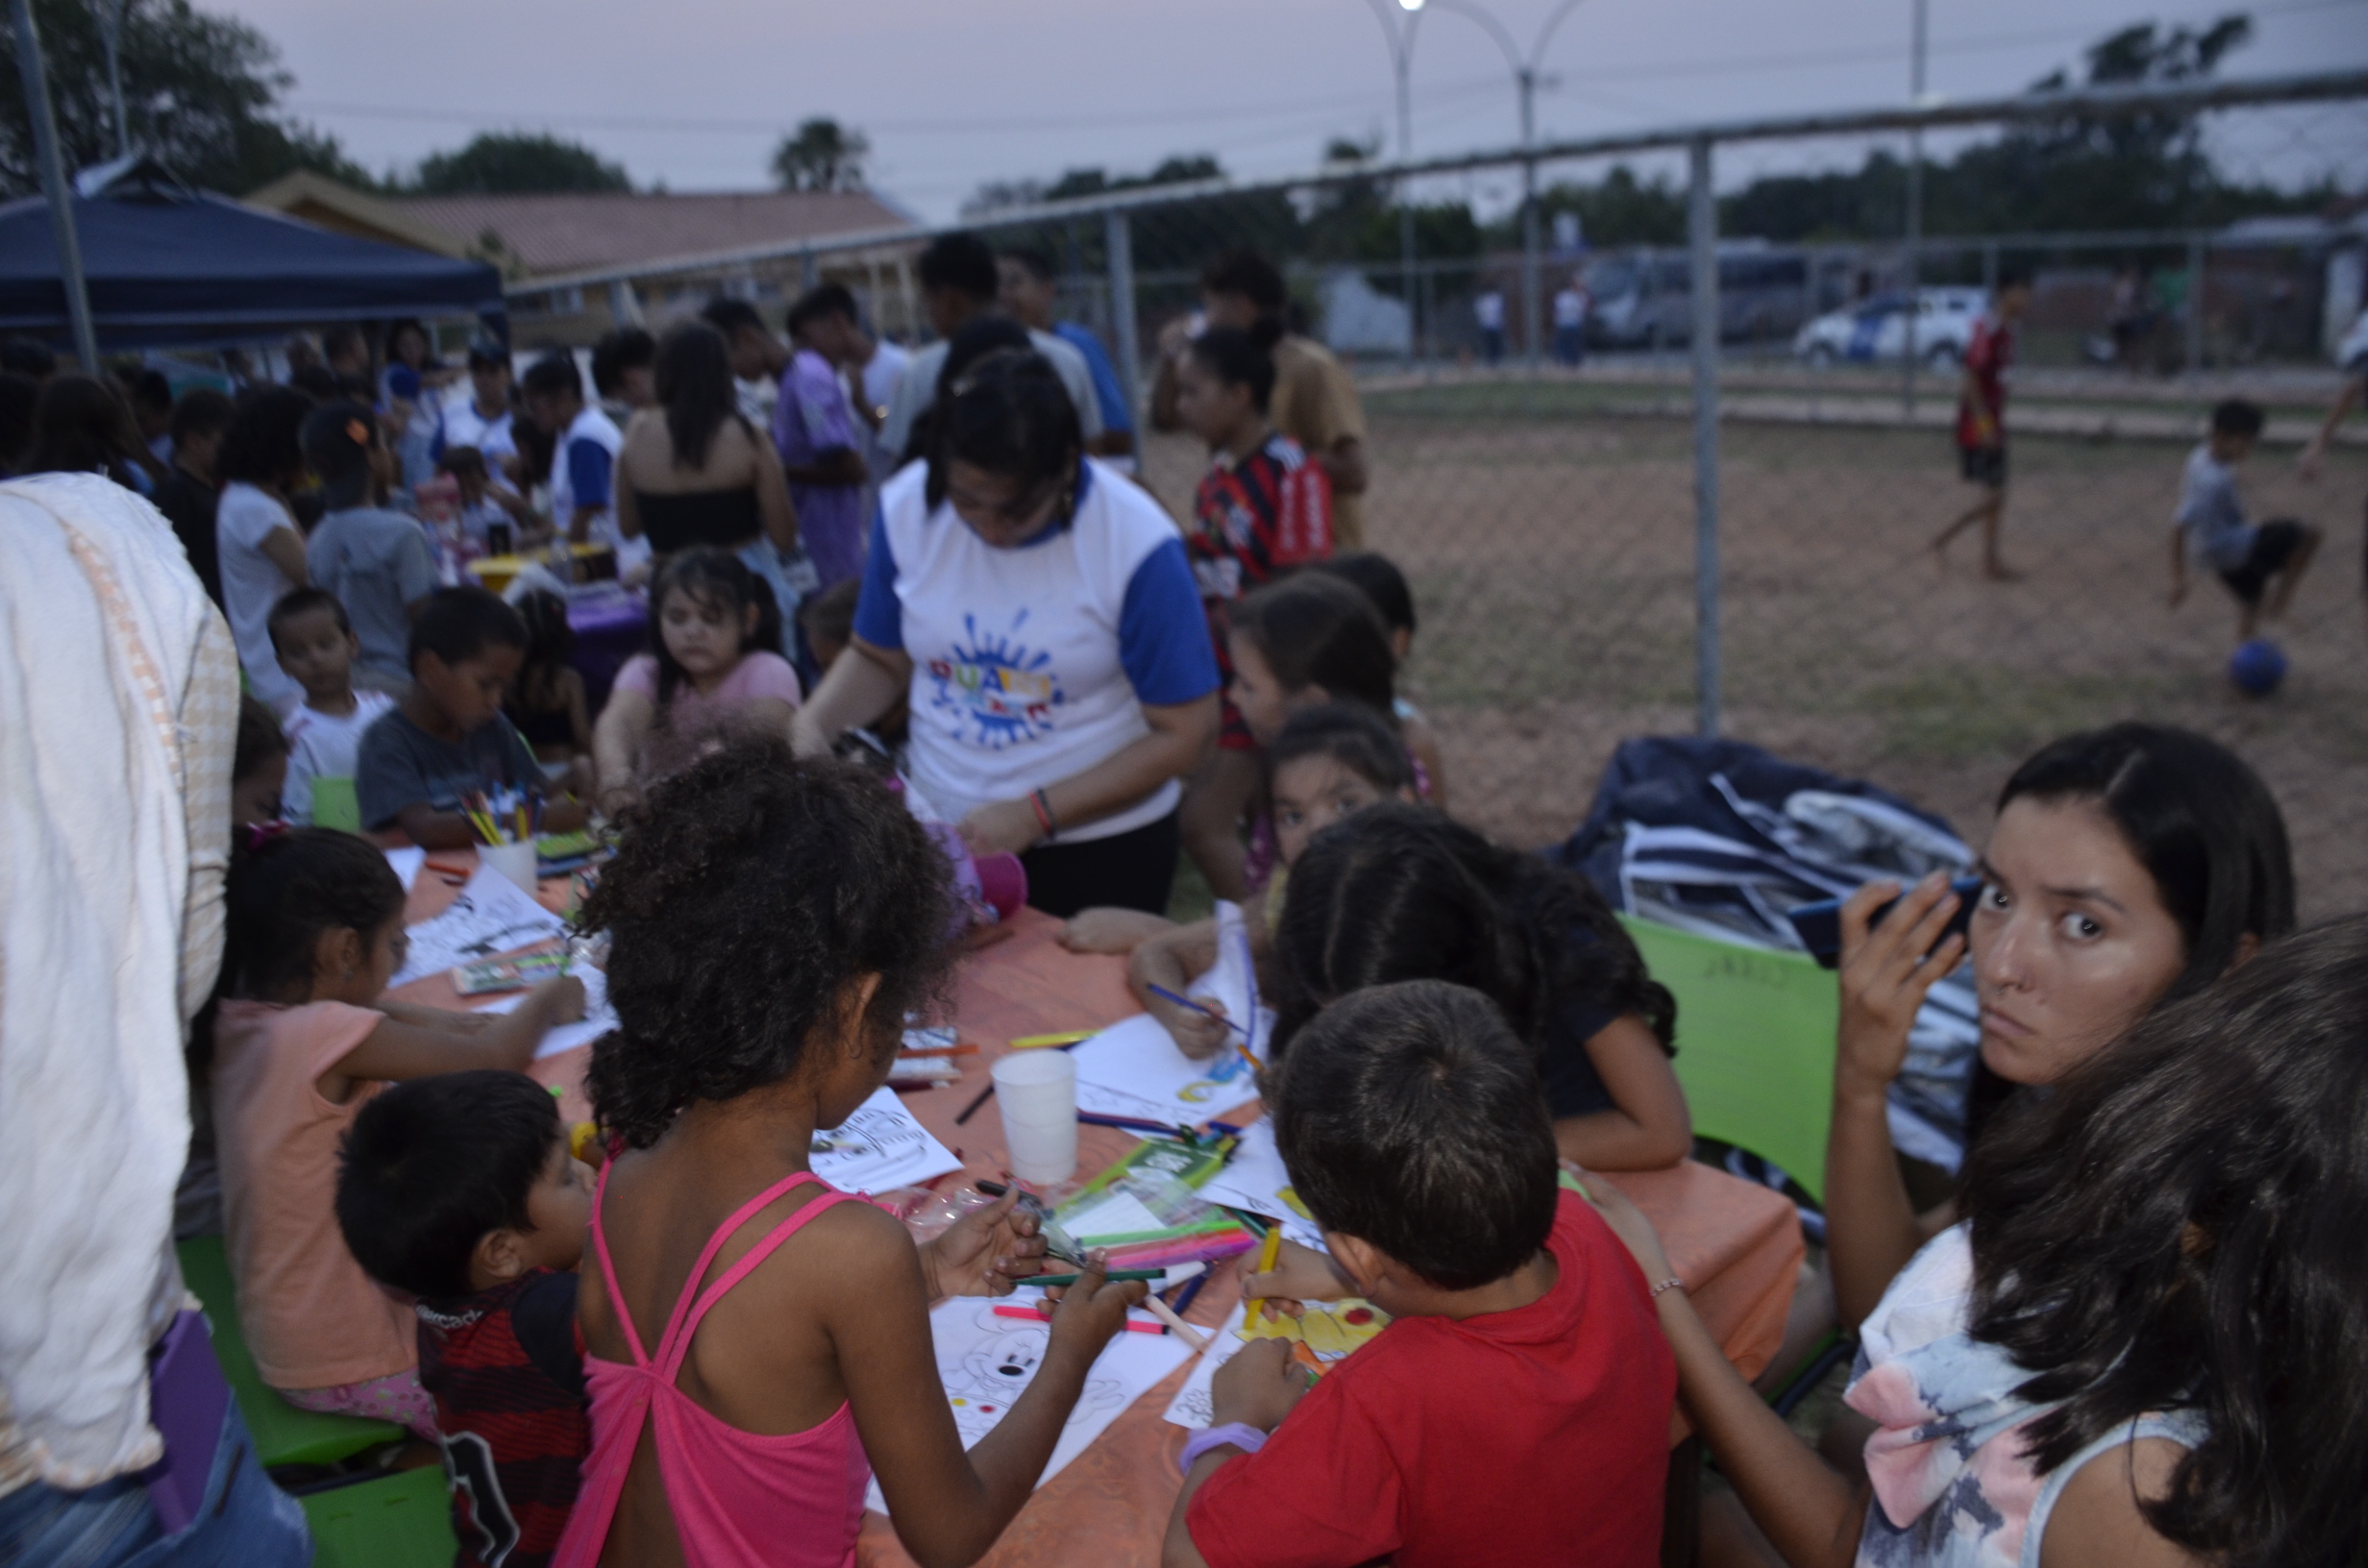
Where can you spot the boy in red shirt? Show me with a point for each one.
(1517, 1409)
(460, 1190)
(1981, 422)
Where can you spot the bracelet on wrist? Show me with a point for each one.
(1042, 808)
(1672, 1283)
(1249, 1439)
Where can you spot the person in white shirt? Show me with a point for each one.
(1570, 307)
(1036, 611)
(1488, 313)
(959, 282)
(260, 554)
(583, 463)
(2209, 527)
(484, 419)
(317, 647)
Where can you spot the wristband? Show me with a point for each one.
(1672, 1283)
(1249, 1439)
(1044, 813)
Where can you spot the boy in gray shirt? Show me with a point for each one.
(377, 562)
(2211, 525)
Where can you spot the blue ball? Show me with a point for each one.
(2258, 667)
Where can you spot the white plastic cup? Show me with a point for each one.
(515, 861)
(1036, 1092)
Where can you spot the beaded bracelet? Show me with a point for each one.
(1672, 1282)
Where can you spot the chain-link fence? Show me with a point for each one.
(1695, 481)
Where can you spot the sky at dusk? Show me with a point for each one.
(955, 92)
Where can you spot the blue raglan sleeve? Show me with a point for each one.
(1164, 633)
(879, 615)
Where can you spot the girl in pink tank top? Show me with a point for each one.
(773, 924)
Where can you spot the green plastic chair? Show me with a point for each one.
(1755, 1044)
(282, 1434)
(335, 805)
(403, 1520)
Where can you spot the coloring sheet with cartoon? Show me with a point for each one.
(883, 1146)
(1133, 1067)
(486, 919)
(1255, 1178)
(1325, 1334)
(597, 1017)
(986, 1361)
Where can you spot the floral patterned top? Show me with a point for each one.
(1953, 1487)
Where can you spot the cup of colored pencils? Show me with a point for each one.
(505, 821)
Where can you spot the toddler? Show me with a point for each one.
(458, 1190)
(317, 646)
(713, 667)
(772, 922)
(1517, 1408)
(302, 1037)
(447, 739)
(259, 766)
(2211, 528)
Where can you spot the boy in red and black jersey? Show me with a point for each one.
(460, 1190)
(1982, 421)
(1261, 510)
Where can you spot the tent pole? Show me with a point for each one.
(54, 186)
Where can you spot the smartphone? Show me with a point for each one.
(498, 539)
(1820, 924)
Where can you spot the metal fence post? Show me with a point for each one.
(1118, 240)
(1702, 237)
(53, 186)
(1533, 290)
(2195, 305)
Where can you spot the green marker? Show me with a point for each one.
(1072, 1279)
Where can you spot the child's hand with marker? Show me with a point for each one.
(984, 1252)
(1258, 1387)
(1093, 1311)
(1300, 1275)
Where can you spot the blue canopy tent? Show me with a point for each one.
(170, 267)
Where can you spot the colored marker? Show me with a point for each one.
(1065, 1037)
(1033, 1315)
(1268, 1252)
(1114, 1274)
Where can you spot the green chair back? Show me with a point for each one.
(335, 805)
(403, 1521)
(282, 1434)
(1755, 1044)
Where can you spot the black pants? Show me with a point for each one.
(1134, 869)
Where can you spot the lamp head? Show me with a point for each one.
(1410, 5)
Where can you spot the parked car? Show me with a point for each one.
(1644, 299)
(1876, 329)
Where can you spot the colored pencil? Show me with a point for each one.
(1209, 1013)
(971, 1110)
(1128, 1124)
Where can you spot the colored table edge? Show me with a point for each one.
(1737, 1247)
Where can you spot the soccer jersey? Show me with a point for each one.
(1988, 356)
(506, 1370)
(1269, 511)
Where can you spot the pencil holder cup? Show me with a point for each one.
(515, 861)
(1036, 1093)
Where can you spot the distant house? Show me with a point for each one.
(578, 264)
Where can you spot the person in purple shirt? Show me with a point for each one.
(814, 427)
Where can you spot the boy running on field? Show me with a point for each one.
(1982, 421)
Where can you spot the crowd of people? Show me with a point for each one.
(2131, 1336)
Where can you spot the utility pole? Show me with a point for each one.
(111, 14)
(1911, 306)
(53, 186)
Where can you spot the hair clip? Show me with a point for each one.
(259, 834)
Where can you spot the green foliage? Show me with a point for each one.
(517, 163)
(201, 93)
(1620, 209)
(822, 155)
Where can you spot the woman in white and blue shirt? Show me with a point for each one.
(1036, 610)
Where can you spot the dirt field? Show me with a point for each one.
(1552, 559)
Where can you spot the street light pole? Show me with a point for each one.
(1401, 40)
(1912, 307)
(1525, 71)
(53, 184)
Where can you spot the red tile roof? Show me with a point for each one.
(578, 233)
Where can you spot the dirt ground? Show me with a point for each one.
(1552, 562)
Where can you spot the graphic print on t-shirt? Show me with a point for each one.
(995, 691)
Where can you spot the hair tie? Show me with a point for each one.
(359, 432)
(259, 834)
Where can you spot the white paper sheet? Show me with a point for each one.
(1133, 1068)
(1191, 1407)
(1231, 983)
(881, 1147)
(488, 917)
(1255, 1178)
(407, 864)
(986, 1361)
(597, 1017)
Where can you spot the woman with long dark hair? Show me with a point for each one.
(2145, 1343)
(1037, 609)
(2130, 866)
(81, 424)
(694, 471)
(1401, 893)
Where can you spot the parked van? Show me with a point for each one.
(1644, 298)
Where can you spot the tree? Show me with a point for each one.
(201, 93)
(822, 156)
(514, 163)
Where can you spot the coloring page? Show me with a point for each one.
(1191, 1405)
(878, 1148)
(488, 917)
(407, 864)
(986, 1362)
(1255, 1178)
(597, 1017)
(1133, 1068)
(1326, 1334)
